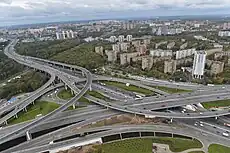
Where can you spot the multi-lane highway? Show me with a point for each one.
(146, 107)
(9, 51)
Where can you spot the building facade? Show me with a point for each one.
(99, 50)
(199, 64)
(217, 67)
(170, 66)
(129, 38)
(121, 38)
(147, 62)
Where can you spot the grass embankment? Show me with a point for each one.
(215, 148)
(144, 145)
(66, 94)
(131, 88)
(219, 103)
(40, 107)
(97, 95)
(171, 90)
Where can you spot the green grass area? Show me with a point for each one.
(84, 100)
(215, 148)
(144, 145)
(171, 90)
(65, 94)
(40, 107)
(97, 95)
(131, 88)
(219, 103)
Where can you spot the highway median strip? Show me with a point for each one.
(217, 104)
(131, 88)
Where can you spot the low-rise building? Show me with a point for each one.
(183, 46)
(170, 66)
(161, 53)
(99, 50)
(160, 43)
(171, 45)
(146, 41)
(217, 67)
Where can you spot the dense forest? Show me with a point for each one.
(30, 81)
(46, 49)
(71, 51)
(8, 67)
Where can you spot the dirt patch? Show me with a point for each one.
(82, 149)
(124, 119)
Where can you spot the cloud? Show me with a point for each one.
(26, 9)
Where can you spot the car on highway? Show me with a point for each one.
(225, 134)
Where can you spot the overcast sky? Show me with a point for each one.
(35, 11)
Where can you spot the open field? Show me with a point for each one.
(215, 148)
(65, 94)
(39, 107)
(219, 103)
(97, 95)
(144, 145)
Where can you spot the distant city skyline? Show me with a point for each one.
(15, 12)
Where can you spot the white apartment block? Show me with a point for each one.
(129, 38)
(185, 53)
(199, 64)
(113, 39)
(161, 53)
(224, 33)
(121, 38)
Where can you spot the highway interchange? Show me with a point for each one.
(148, 106)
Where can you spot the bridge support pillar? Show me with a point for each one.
(25, 109)
(140, 134)
(216, 117)
(66, 88)
(72, 92)
(120, 136)
(172, 135)
(28, 136)
(171, 120)
(82, 73)
(33, 103)
(5, 122)
(90, 88)
(154, 134)
(16, 116)
(74, 106)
